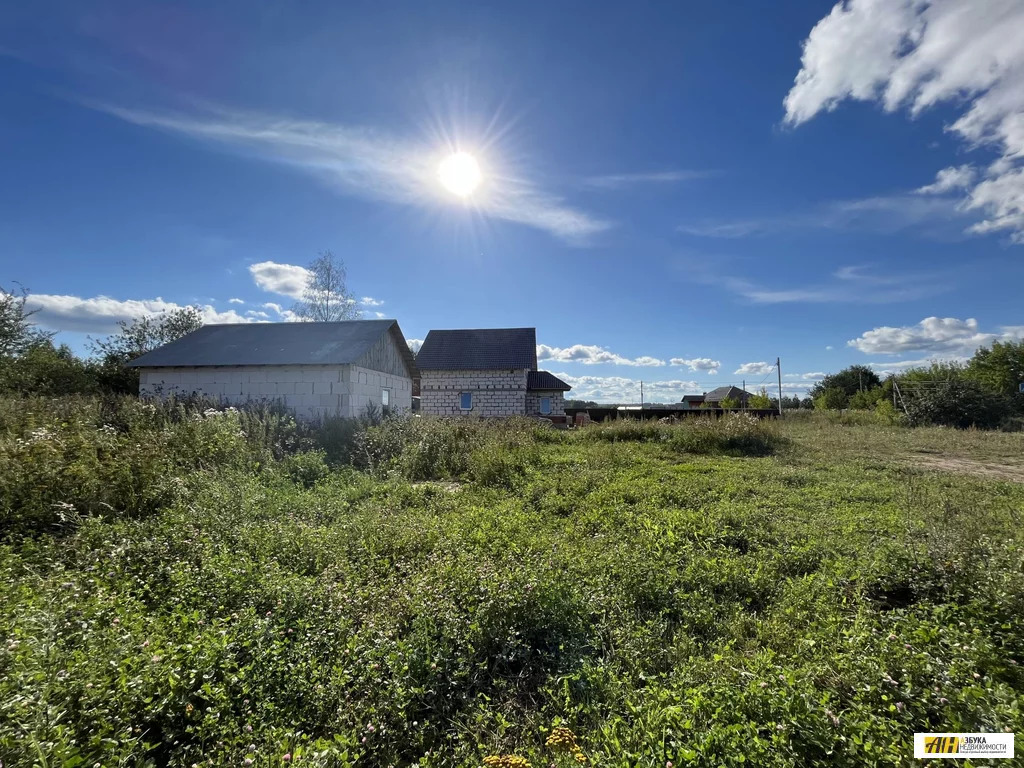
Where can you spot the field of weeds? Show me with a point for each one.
(183, 586)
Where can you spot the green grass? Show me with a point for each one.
(181, 589)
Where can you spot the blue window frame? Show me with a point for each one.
(545, 405)
(466, 401)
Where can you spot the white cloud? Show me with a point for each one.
(618, 389)
(101, 314)
(790, 387)
(848, 284)
(898, 366)
(916, 54)
(370, 164)
(282, 314)
(698, 363)
(942, 335)
(285, 279)
(620, 180)
(380, 315)
(590, 354)
(236, 301)
(755, 369)
(950, 179)
(257, 314)
(828, 348)
(926, 216)
(414, 344)
(814, 376)
(369, 301)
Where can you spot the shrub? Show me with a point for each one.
(866, 399)
(306, 469)
(960, 403)
(886, 413)
(629, 430)
(61, 460)
(831, 399)
(732, 433)
(760, 400)
(43, 369)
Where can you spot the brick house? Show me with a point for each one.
(315, 369)
(486, 372)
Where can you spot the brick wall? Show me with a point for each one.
(311, 391)
(557, 403)
(495, 393)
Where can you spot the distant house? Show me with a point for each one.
(692, 401)
(714, 398)
(315, 369)
(486, 372)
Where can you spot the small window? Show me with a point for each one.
(545, 405)
(385, 397)
(466, 401)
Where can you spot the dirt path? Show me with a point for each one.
(1009, 472)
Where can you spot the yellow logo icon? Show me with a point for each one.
(940, 745)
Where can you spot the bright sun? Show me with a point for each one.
(459, 173)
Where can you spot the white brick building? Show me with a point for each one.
(315, 369)
(486, 372)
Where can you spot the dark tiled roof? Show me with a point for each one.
(733, 393)
(545, 380)
(693, 398)
(478, 349)
(276, 344)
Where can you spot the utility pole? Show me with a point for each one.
(778, 366)
(743, 395)
(641, 395)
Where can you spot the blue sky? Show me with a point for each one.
(672, 192)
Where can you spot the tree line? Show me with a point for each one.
(983, 392)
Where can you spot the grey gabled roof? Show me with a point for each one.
(546, 381)
(733, 393)
(478, 349)
(338, 343)
(693, 399)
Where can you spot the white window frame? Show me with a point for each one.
(463, 395)
(546, 398)
(385, 397)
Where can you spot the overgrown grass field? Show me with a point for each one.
(185, 586)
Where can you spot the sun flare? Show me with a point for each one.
(460, 174)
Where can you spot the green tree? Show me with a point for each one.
(999, 367)
(729, 403)
(44, 369)
(18, 332)
(135, 338)
(326, 298)
(760, 400)
(831, 399)
(866, 399)
(849, 380)
(936, 371)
